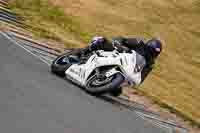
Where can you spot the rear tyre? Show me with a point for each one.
(59, 65)
(96, 86)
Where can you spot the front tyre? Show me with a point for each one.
(98, 86)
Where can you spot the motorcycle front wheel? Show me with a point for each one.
(99, 86)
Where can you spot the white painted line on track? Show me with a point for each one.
(161, 123)
(157, 123)
(40, 52)
(13, 41)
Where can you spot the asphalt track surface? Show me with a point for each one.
(32, 100)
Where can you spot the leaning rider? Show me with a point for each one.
(149, 50)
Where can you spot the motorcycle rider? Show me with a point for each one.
(149, 50)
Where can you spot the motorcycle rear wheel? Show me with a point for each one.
(59, 67)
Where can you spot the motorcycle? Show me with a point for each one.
(102, 71)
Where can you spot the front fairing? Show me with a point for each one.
(126, 61)
(128, 65)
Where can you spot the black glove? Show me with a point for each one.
(85, 51)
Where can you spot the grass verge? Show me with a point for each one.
(171, 109)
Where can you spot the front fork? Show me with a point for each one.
(111, 72)
(107, 74)
(126, 82)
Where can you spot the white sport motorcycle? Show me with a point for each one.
(102, 72)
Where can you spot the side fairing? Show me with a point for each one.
(81, 72)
